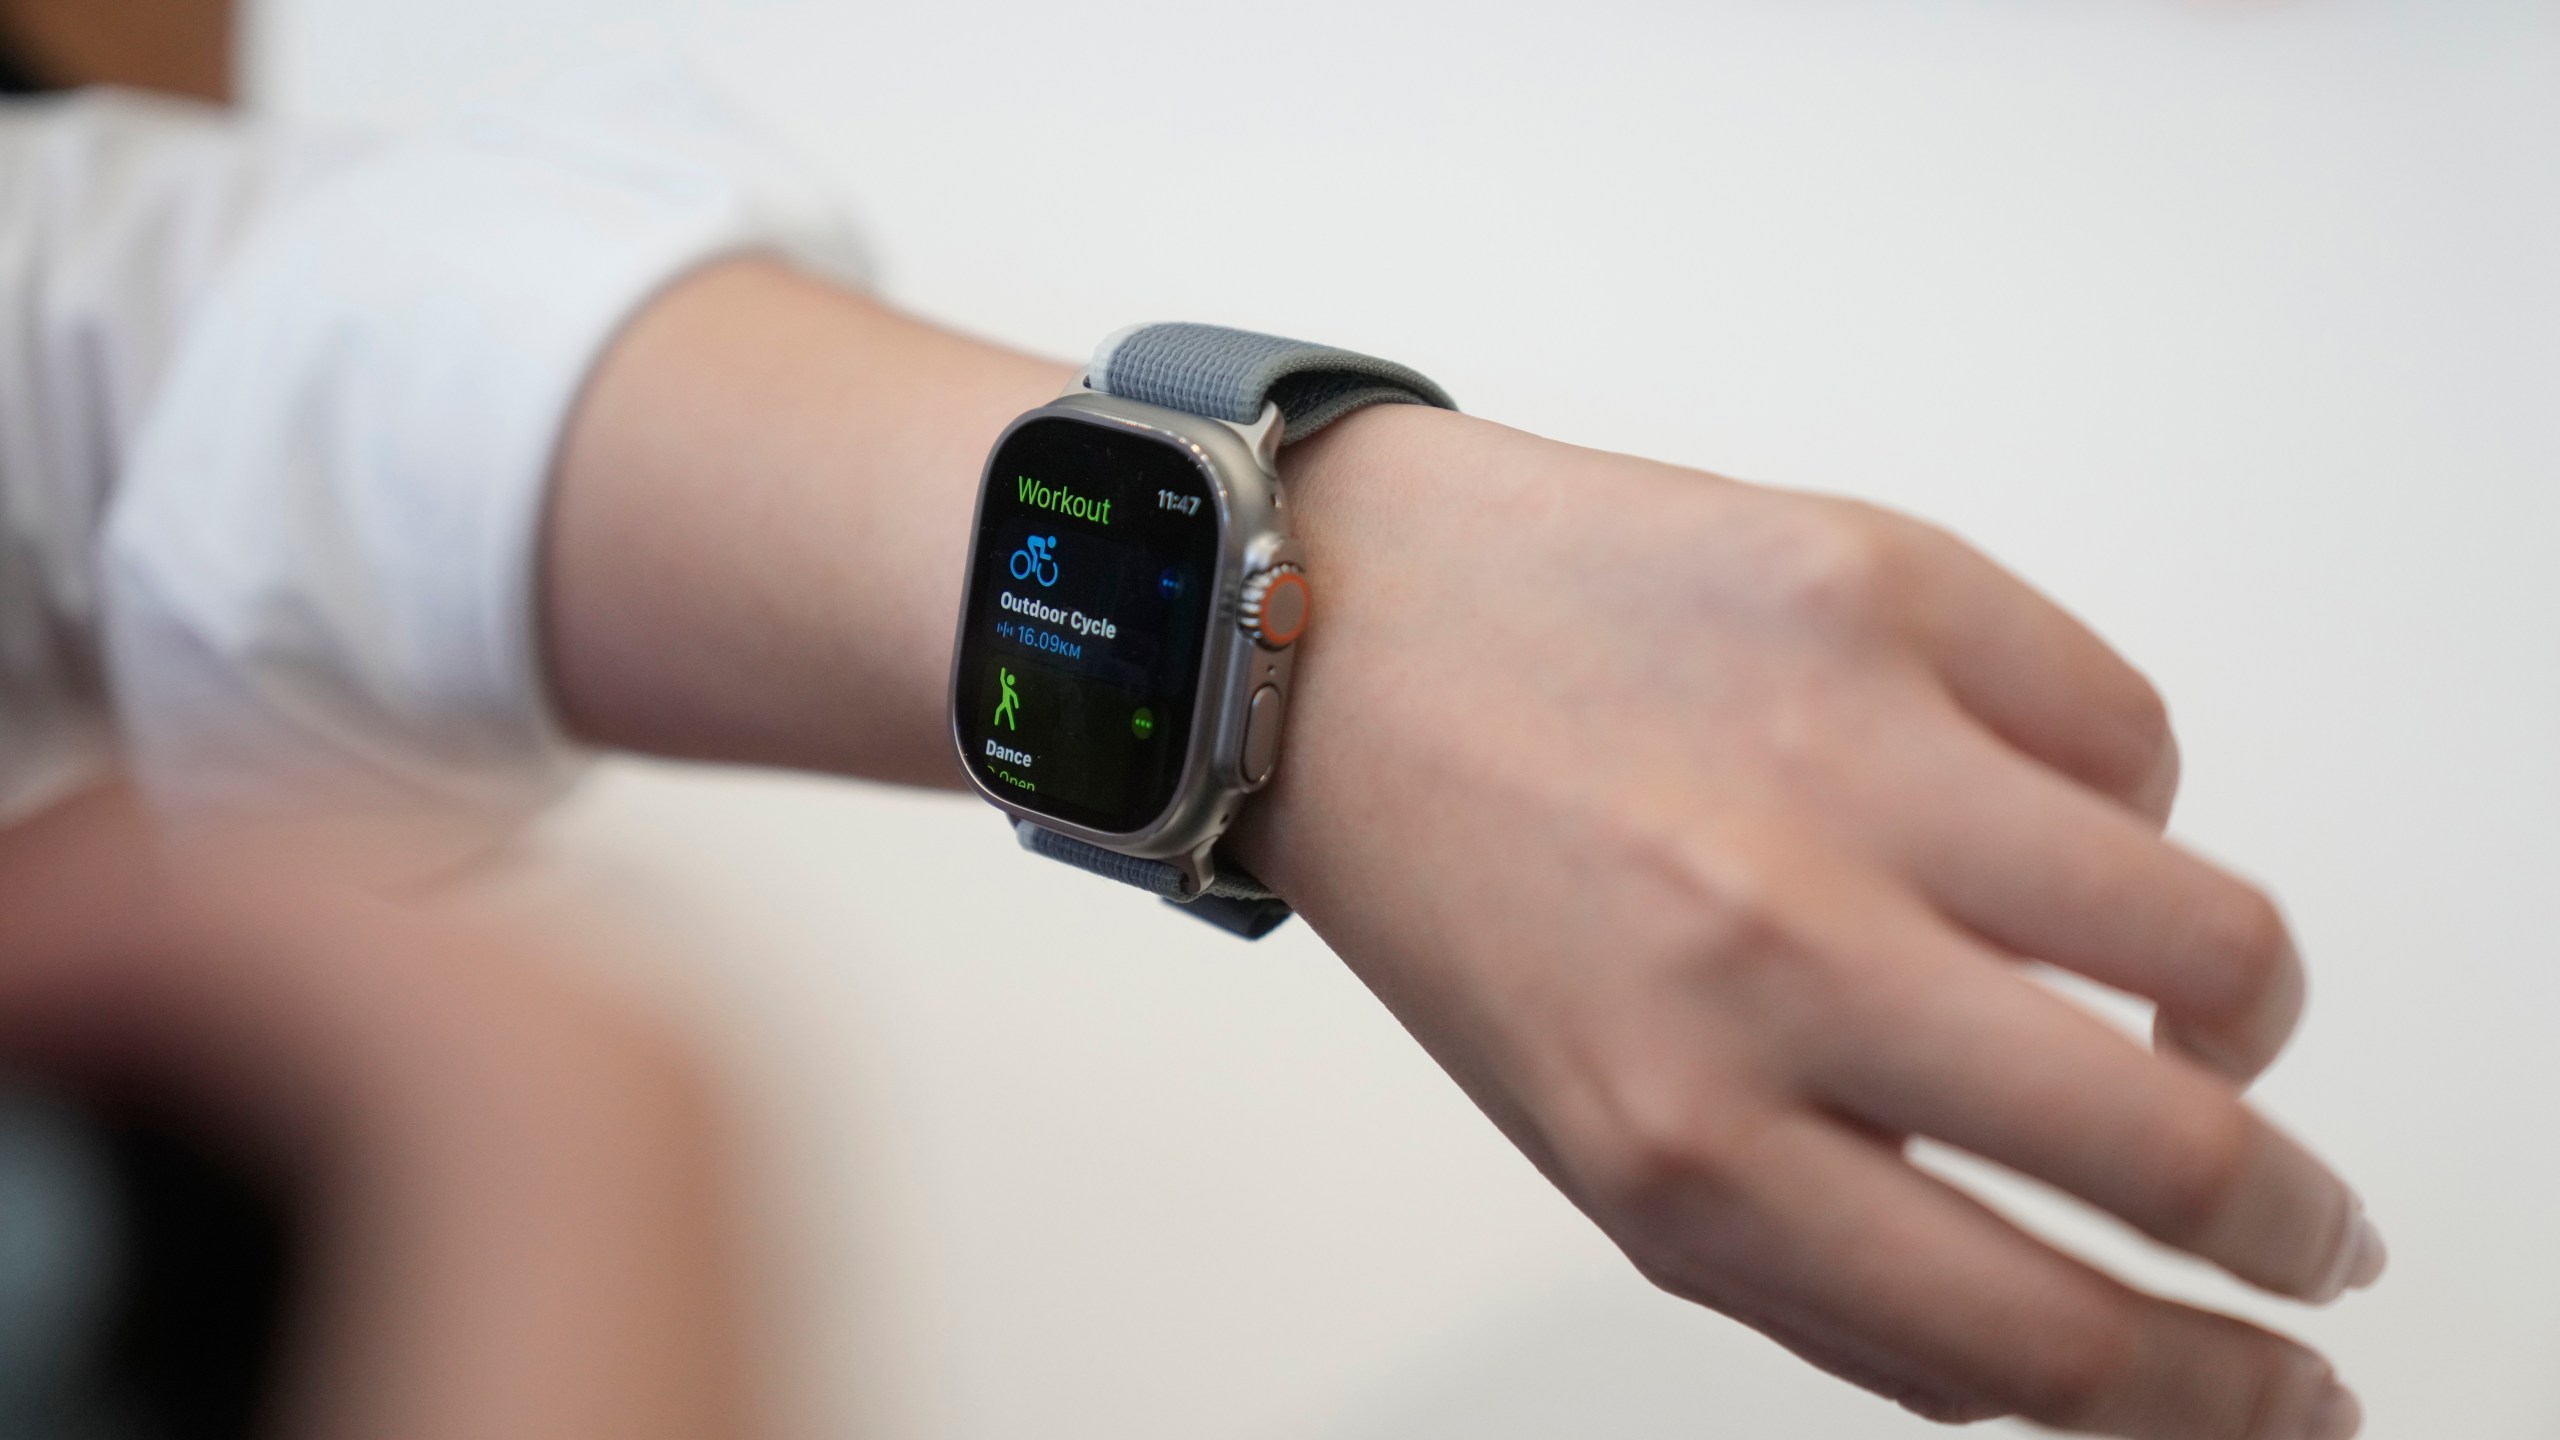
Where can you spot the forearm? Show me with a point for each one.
(760, 514)
(757, 537)
(1696, 827)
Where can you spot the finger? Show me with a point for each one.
(2035, 675)
(1927, 1291)
(1956, 1044)
(2042, 868)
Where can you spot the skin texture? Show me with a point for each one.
(756, 413)
(1704, 853)
(511, 1185)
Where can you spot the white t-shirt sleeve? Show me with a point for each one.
(116, 214)
(317, 575)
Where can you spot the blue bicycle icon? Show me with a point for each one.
(1035, 560)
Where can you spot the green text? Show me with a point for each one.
(1063, 500)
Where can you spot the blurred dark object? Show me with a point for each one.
(194, 1329)
(15, 77)
(143, 1280)
(178, 47)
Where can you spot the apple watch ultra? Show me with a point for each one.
(1134, 604)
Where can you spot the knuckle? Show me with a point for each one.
(1741, 898)
(1670, 1135)
(2199, 1153)
(1667, 1156)
(1670, 1167)
(1838, 566)
(1723, 889)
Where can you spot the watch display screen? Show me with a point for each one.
(1081, 638)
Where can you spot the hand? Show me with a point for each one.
(1701, 831)
(1698, 829)
(513, 1190)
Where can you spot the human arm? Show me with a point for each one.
(509, 1190)
(754, 412)
(1702, 853)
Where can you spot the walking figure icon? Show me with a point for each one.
(1008, 704)
(1035, 560)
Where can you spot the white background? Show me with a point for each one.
(2235, 325)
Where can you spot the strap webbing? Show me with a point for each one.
(1234, 900)
(1230, 374)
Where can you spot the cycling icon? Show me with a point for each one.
(1036, 560)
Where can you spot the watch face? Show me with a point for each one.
(1089, 598)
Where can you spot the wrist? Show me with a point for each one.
(1352, 494)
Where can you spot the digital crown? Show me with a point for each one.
(1274, 606)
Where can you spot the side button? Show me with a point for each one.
(1262, 735)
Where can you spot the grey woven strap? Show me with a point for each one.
(1234, 900)
(1231, 374)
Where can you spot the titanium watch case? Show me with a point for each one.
(1241, 463)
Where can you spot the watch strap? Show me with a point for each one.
(1234, 901)
(1231, 374)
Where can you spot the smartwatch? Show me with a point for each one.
(1133, 604)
